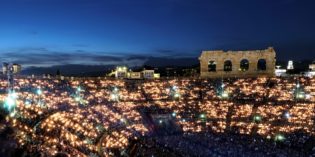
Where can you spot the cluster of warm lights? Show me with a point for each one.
(49, 118)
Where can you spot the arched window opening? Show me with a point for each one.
(244, 65)
(261, 65)
(227, 65)
(212, 66)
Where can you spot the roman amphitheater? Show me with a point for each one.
(223, 64)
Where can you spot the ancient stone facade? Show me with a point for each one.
(220, 64)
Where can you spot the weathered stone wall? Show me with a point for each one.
(269, 55)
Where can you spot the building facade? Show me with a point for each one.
(311, 72)
(148, 74)
(121, 72)
(135, 75)
(290, 65)
(220, 64)
(312, 66)
(16, 68)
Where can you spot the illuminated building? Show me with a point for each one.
(312, 66)
(16, 68)
(290, 65)
(280, 72)
(311, 71)
(4, 68)
(121, 72)
(148, 74)
(157, 75)
(134, 75)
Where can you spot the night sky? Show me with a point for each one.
(57, 32)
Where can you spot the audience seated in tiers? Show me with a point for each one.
(255, 117)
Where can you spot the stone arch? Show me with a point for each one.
(244, 65)
(261, 65)
(227, 66)
(212, 66)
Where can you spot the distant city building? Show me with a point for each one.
(148, 74)
(14, 68)
(5, 68)
(217, 64)
(312, 66)
(121, 72)
(157, 75)
(280, 72)
(48, 76)
(290, 65)
(311, 72)
(135, 75)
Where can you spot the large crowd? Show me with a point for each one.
(199, 117)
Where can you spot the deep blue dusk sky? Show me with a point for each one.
(52, 32)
